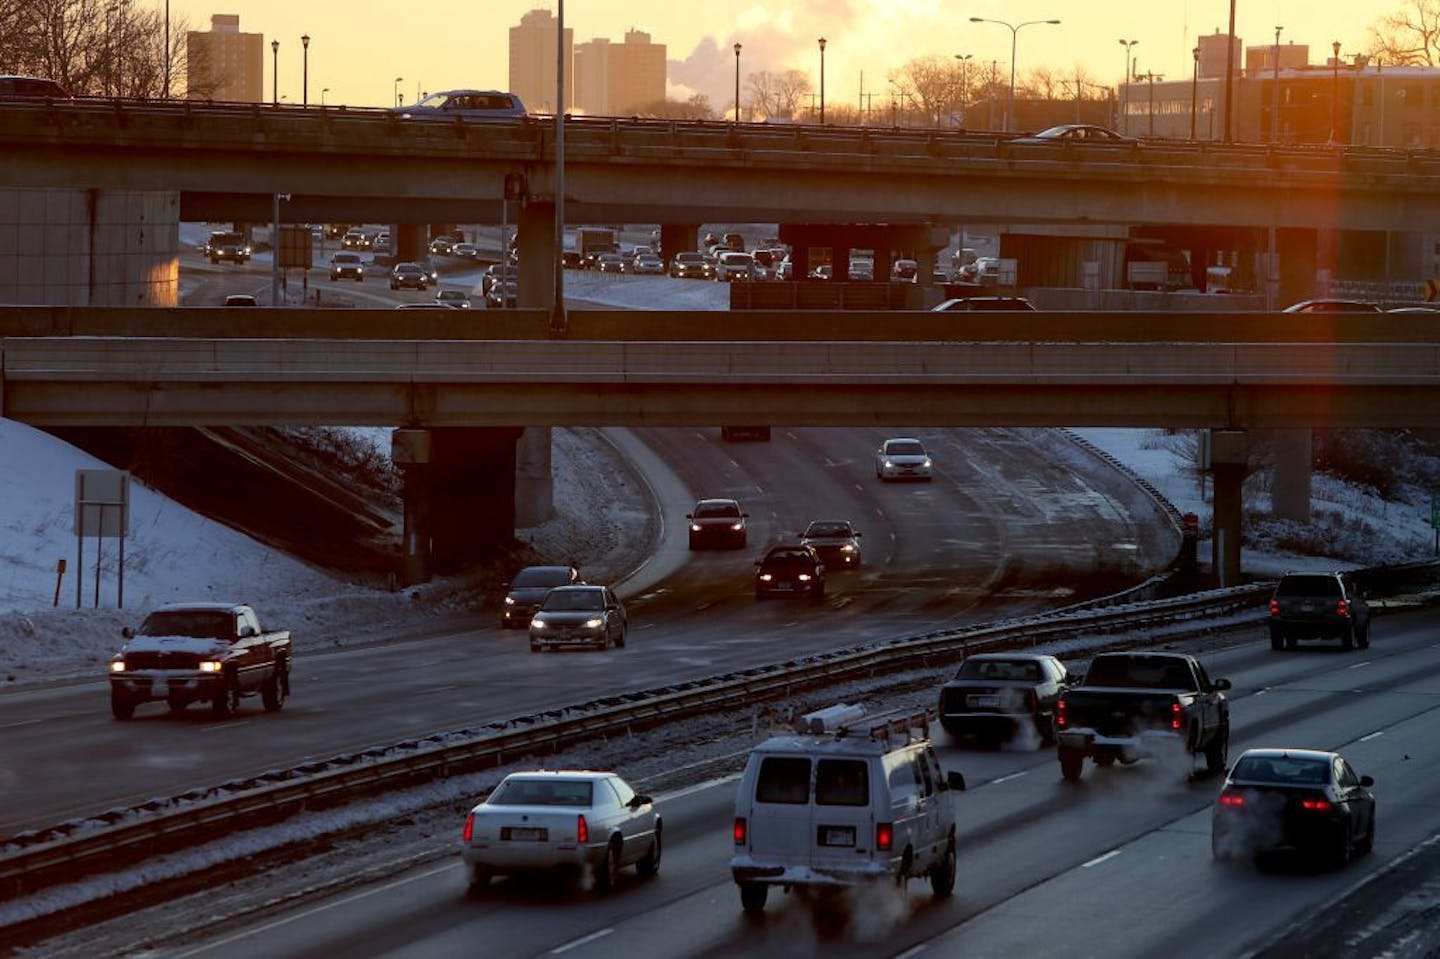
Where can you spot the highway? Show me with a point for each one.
(1117, 865)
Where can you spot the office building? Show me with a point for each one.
(533, 60)
(225, 64)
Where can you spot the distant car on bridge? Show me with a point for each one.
(464, 105)
(27, 88)
(1334, 306)
(1076, 133)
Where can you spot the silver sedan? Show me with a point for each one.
(581, 822)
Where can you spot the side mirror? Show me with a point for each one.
(640, 799)
(689, 515)
(1221, 685)
(127, 633)
(858, 534)
(758, 564)
(955, 780)
(247, 631)
(1367, 781)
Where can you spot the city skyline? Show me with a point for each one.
(865, 38)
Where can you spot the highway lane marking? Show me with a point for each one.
(315, 910)
(23, 722)
(1359, 665)
(218, 727)
(1375, 735)
(1006, 779)
(1099, 859)
(581, 941)
(913, 951)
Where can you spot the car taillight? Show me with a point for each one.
(1274, 607)
(739, 830)
(1232, 800)
(582, 830)
(1342, 608)
(884, 836)
(469, 827)
(1177, 717)
(1316, 805)
(1061, 720)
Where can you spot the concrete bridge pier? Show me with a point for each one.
(472, 494)
(410, 242)
(1228, 457)
(1298, 251)
(678, 238)
(410, 450)
(1291, 487)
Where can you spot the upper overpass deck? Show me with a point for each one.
(233, 157)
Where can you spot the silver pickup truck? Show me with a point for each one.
(200, 652)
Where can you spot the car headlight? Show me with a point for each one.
(694, 527)
(117, 666)
(509, 600)
(926, 464)
(803, 577)
(766, 577)
(594, 622)
(888, 464)
(737, 527)
(537, 624)
(210, 666)
(847, 548)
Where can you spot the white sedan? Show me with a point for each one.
(582, 822)
(902, 458)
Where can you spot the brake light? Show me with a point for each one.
(1274, 607)
(1316, 805)
(469, 827)
(1232, 800)
(1342, 608)
(1061, 719)
(582, 830)
(1177, 717)
(884, 836)
(740, 830)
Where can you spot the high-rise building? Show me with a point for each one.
(617, 79)
(225, 64)
(533, 62)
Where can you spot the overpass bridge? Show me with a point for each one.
(445, 377)
(228, 161)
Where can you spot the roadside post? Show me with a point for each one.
(102, 510)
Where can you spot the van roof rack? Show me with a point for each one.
(891, 727)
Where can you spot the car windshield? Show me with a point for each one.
(1026, 669)
(564, 600)
(689, 258)
(1283, 770)
(541, 576)
(1139, 672)
(789, 557)
(717, 510)
(542, 792)
(904, 448)
(1319, 587)
(819, 528)
(199, 624)
(347, 258)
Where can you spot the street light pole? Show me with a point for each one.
(1229, 70)
(305, 76)
(274, 73)
(1014, 35)
(964, 59)
(1194, 89)
(397, 90)
(1335, 93)
(822, 81)
(737, 83)
(1275, 94)
(322, 95)
(166, 95)
(1125, 88)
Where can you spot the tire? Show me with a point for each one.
(273, 693)
(608, 874)
(1343, 849)
(176, 705)
(122, 707)
(752, 897)
(478, 880)
(1217, 754)
(1367, 845)
(225, 704)
(817, 593)
(1364, 637)
(1347, 641)
(1277, 641)
(942, 874)
(1072, 762)
(649, 863)
(1105, 760)
(1045, 729)
(1218, 852)
(620, 643)
(534, 647)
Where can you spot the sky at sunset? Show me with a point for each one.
(357, 49)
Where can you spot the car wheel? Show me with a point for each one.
(1343, 847)
(224, 703)
(620, 641)
(479, 879)
(1218, 752)
(121, 706)
(942, 874)
(534, 647)
(272, 694)
(1072, 762)
(817, 593)
(1347, 641)
(1045, 727)
(608, 874)
(1368, 843)
(1277, 641)
(649, 863)
(752, 897)
(1291, 642)
(1219, 848)
(1364, 637)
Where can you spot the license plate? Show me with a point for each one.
(990, 701)
(159, 688)
(782, 587)
(837, 835)
(524, 833)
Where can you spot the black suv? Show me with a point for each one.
(789, 571)
(1318, 606)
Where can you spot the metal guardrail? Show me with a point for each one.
(118, 838)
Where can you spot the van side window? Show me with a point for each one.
(783, 779)
(924, 771)
(842, 782)
(904, 780)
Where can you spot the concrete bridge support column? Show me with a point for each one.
(410, 450)
(1228, 457)
(678, 238)
(1298, 250)
(534, 485)
(472, 494)
(537, 253)
(410, 243)
(1290, 490)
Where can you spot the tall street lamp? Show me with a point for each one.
(1335, 92)
(822, 81)
(1275, 94)
(1125, 87)
(964, 59)
(274, 73)
(322, 95)
(305, 76)
(167, 49)
(1194, 89)
(737, 83)
(1229, 71)
(1014, 33)
(397, 90)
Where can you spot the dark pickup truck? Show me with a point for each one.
(200, 652)
(1134, 705)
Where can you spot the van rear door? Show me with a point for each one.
(779, 821)
(842, 828)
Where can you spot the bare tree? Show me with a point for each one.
(1408, 37)
(929, 86)
(696, 108)
(778, 95)
(94, 47)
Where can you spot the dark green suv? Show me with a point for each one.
(1318, 606)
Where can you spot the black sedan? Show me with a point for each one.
(409, 275)
(525, 593)
(997, 696)
(717, 523)
(836, 540)
(790, 571)
(1301, 801)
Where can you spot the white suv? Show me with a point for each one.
(845, 800)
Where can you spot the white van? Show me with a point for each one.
(847, 799)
